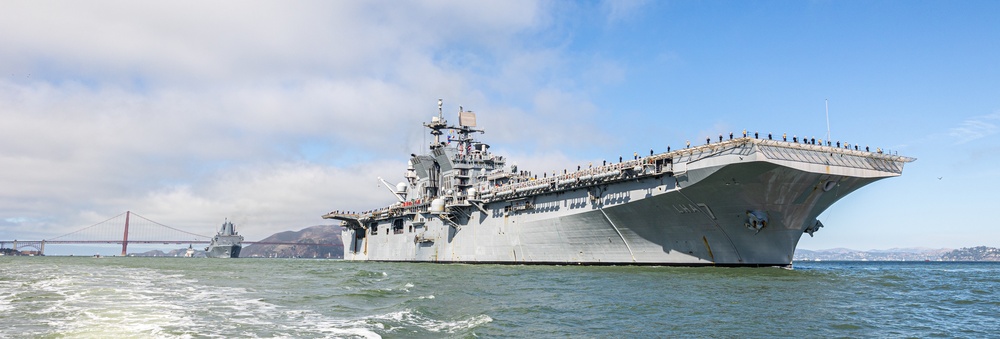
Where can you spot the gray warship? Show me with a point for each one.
(743, 201)
(226, 244)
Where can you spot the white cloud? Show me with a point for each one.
(228, 41)
(266, 198)
(622, 10)
(189, 112)
(975, 128)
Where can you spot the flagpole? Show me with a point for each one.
(827, 101)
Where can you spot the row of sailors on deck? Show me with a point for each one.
(784, 137)
(527, 176)
(355, 214)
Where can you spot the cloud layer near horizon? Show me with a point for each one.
(269, 113)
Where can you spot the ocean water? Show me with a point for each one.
(115, 297)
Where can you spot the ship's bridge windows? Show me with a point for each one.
(397, 226)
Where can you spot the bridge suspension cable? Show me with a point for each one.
(124, 229)
(162, 225)
(80, 231)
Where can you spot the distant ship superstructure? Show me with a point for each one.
(226, 244)
(744, 201)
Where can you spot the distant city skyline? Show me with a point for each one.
(272, 114)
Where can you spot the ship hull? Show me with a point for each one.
(696, 218)
(224, 251)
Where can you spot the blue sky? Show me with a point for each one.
(273, 113)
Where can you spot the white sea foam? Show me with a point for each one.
(107, 305)
(407, 317)
(5, 305)
(135, 302)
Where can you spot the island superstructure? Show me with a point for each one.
(745, 201)
(226, 243)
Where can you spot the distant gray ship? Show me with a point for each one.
(744, 201)
(226, 244)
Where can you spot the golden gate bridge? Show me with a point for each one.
(127, 228)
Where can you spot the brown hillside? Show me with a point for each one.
(322, 234)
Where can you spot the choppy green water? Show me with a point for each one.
(193, 298)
